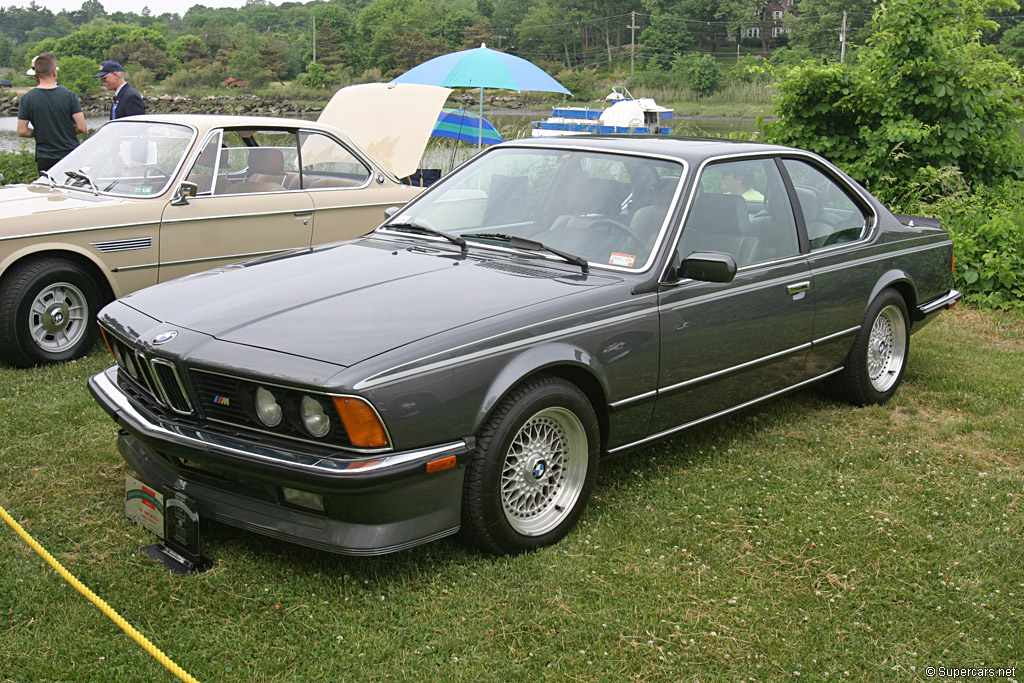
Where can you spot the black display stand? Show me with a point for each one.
(179, 550)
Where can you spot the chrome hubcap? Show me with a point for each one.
(544, 471)
(887, 347)
(58, 317)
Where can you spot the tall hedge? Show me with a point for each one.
(925, 94)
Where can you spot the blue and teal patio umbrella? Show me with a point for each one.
(459, 124)
(482, 67)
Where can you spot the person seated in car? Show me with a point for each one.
(740, 181)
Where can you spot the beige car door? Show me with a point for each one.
(349, 196)
(244, 207)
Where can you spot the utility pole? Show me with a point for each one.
(842, 41)
(632, 44)
(314, 39)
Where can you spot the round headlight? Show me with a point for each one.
(314, 419)
(268, 410)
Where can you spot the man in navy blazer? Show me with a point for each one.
(127, 100)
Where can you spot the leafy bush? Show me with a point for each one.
(18, 167)
(208, 75)
(925, 94)
(582, 83)
(78, 74)
(313, 77)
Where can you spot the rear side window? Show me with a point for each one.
(832, 217)
(327, 163)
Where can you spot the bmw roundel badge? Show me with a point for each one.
(164, 337)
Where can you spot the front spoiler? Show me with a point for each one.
(372, 506)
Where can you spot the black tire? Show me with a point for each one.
(533, 470)
(878, 358)
(47, 312)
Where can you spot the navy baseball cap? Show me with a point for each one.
(109, 67)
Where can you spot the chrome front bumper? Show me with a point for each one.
(372, 505)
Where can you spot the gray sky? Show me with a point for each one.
(155, 6)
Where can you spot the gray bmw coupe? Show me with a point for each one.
(467, 365)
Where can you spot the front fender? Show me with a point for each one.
(57, 249)
(536, 360)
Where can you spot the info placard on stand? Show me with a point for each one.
(180, 550)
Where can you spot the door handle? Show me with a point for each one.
(798, 287)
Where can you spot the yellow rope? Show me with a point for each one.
(99, 602)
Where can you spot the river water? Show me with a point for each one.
(509, 124)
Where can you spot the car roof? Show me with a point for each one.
(205, 121)
(691, 150)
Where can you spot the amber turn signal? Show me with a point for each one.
(107, 342)
(361, 422)
(441, 464)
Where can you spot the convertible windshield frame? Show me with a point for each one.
(103, 155)
(554, 197)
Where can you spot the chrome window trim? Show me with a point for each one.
(363, 159)
(725, 293)
(774, 155)
(316, 392)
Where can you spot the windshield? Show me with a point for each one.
(135, 158)
(609, 209)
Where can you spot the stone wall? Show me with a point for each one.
(243, 103)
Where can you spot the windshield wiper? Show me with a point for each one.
(49, 179)
(416, 227)
(533, 245)
(78, 175)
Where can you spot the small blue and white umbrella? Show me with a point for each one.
(482, 67)
(459, 124)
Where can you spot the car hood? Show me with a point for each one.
(349, 302)
(24, 201)
(391, 122)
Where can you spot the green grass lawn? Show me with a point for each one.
(803, 539)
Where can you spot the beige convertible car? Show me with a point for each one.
(151, 198)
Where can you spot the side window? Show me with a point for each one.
(831, 216)
(246, 162)
(327, 163)
(741, 208)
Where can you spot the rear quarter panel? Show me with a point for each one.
(916, 261)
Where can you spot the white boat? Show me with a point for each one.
(626, 115)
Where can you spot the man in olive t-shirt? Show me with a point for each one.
(54, 112)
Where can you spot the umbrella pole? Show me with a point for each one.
(480, 128)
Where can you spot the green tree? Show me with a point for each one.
(925, 94)
(79, 74)
(818, 24)
(701, 73)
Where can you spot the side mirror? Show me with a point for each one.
(182, 194)
(391, 211)
(708, 266)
